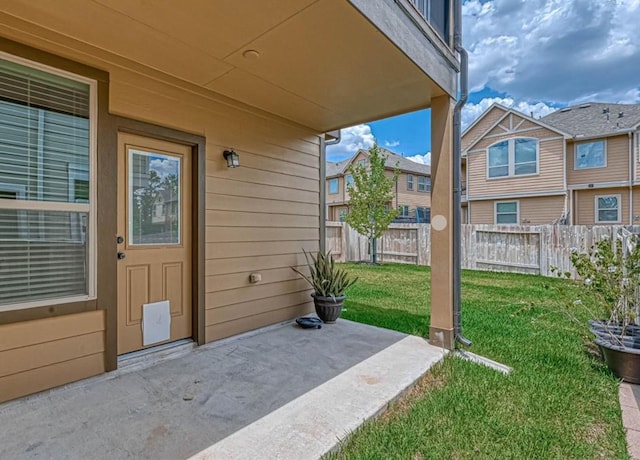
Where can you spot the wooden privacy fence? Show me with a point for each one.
(511, 248)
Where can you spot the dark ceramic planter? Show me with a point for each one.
(624, 362)
(328, 309)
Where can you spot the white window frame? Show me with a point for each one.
(89, 208)
(618, 196)
(401, 210)
(511, 158)
(495, 212)
(333, 181)
(410, 182)
(575, 154)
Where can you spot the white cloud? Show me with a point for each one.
(472, 111)
(353, 139)
(554, 50)
(163, 166)
(391, 144)
(422, 159)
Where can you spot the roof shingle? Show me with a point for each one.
(594, 119)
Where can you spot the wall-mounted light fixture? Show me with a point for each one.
(233, 159)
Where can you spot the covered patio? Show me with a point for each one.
(279, 392)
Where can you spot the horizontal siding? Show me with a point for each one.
(41, 354)
(541, 210)
(617, 168)
(259, 217)
(481, 212)
(533, 211)
(584, 204)
(222, 330)
(550, 177)
(482, 126)
(414, 199)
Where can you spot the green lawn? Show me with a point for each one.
(560, 402)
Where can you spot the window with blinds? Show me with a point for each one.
(45, 187)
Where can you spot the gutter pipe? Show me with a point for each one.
(463, 85)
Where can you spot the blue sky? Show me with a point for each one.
(535, 56)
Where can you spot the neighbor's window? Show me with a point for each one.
(348, 179)
(513, 157)
(590, 155)
(409, 181)
(403, 210)
(608, 208)
(424, 184)
(423, 215)
(333, 186)
(45, 188)
(506, 212)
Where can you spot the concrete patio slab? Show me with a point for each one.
(289, 392)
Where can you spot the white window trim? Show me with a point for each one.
(511, 164)
(596, 209)
(410, 176)
(495, 211)
(90, 208)
(575, 155)
(337, 182)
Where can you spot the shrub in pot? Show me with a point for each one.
(610, 271)
(329, 283)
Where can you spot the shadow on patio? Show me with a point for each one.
(278, 392)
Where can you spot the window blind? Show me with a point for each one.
(44, 185)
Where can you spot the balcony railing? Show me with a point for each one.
(436, 12)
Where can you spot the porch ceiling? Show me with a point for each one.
(320, 63)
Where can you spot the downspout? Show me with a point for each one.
(323, 191)
(631, 170)
(463, 84)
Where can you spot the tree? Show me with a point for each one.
(370, 195)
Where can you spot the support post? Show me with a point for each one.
(441, 330)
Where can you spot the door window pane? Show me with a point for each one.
(154, 198)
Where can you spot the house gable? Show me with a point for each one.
(482, 124)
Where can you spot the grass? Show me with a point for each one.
(560, 401)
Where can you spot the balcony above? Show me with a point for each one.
(324, 64)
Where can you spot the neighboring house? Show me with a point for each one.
(412, 192)
(98, 99)
(578, 165)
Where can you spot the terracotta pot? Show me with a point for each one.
(328, 309)
(624, 362)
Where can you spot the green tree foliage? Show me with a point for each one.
(370, 197)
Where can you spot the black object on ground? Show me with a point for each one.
(309, 323)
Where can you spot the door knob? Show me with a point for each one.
(121, 255)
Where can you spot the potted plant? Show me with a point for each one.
(329, 283)
(610, 271)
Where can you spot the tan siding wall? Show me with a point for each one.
(412, 198)
(584, 204)
(277, 184)
(533, 211)
(267, 207)
(37, 355)
(550, 177)
(617, 168)
(482, 125)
